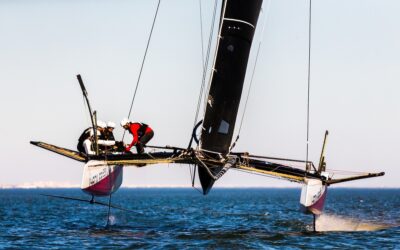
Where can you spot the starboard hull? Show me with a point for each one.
(313, 196)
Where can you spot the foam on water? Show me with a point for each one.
(112, 220)
(328, 222)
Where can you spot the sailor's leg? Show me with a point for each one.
(146, 137)
(143, 141)
(139, 148)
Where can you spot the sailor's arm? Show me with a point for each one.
(128, 148)
(135, 138)
(87, 145)
(106, 142)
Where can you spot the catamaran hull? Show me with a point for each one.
(313, 196)
(100, 179)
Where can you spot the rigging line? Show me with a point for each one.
(345, 171)
(195, 188)
(263, 175)
(201, 34)
(202, 64)
(247, 99)
(144, 59)
(248, 93)
(272, 159)
(192, 174)
(206, 60)
(308, 83)
(252, 75)
(190, 171)
(224, 3)
(288, 174)
(283, 171)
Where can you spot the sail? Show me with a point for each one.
(237, 26)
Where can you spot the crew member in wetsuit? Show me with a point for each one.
(108, 131)
(88, 144)
(101, 126)
(141, 133)
(109, 136)
(86, 134)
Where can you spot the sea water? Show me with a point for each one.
(185, 219)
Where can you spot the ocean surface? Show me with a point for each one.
(185, 219)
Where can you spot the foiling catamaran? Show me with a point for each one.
(212, 157)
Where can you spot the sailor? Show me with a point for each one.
(108, 135)
(105, 135)
(86, 134)
(141, 133)
(101, 126)
(108, 131)
(82, 138)
(88, 144)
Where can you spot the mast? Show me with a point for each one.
(236, 30)
(93, 115)
(237, 26)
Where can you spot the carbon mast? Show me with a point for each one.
(236, 31)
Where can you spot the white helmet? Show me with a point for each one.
(101, 124)
(124, 122)
(110, 124)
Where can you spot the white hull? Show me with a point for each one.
(99, 179)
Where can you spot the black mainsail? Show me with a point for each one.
(237, 26)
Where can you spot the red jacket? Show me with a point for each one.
(137, 130)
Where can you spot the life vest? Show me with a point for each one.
(142, 129)
(108, 135)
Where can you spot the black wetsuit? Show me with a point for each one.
(85, 134)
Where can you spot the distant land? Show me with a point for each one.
(52, 184)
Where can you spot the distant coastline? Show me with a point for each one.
(67, 185)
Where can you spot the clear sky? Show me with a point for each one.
(355, 83)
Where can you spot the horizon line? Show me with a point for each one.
(71, 185)
(5, 187)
